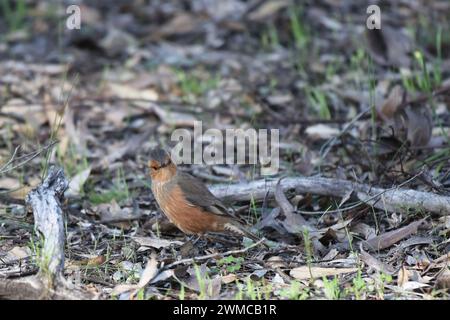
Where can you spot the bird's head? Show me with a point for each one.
(161, 165)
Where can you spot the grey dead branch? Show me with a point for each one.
(392, 200)
(49, 283)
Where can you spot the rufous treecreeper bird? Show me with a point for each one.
(187, 202)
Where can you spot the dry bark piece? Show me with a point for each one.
(305, 272)
(49, 283)
(390, 238)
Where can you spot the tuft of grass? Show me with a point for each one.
(253, 290)
(331, 289)
(71, 160)
(182, 293)
(318, 101)
(119, 191)
(423, 79)
(231, 263)
(299, 31)
(359, 287)
(269, 38)
(205, 290)
(295, 292)
(193, 86)
(301, 38)
(380, 283)
(308, 251)
(372, 103)
(14, 17)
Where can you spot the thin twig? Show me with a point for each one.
(11, 160)
(326, 147)
(29, 157)
(213, 255)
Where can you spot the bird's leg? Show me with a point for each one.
(196, 238)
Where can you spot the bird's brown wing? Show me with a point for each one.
(198, 194)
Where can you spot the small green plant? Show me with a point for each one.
(301, 38)
(140, 294)
(119, 191)
(254, 209)
(204, 285)
(42, 257)
(357, 59)
(408, 82)
(71, 160)
(372, 95)
(299, 31)
(269, 38)
(14, 17)
(332, 290)
(182, 293)
(231, 264)
(254, 290)
(193, 86)
(380, 283)
(358, 287)
(318, 101)
(423, 80)
(295, 292)
(36, 248)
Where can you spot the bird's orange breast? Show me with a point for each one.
(187, 217)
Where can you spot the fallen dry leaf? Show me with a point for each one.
(304, 272)
(403, 277)
(231, 277)
(321, 132)
(147, 275)
(443, 280)
(157, 243)
(77, 182)
(149, 272)
(390, 238)
(389, 46)
(9, 183)
(267, 9)
(199, 281)
(19, 252)
(293, 223)
(180, 24)
(375, 263)
(128, 92)
(413, 285)
(415, 123)
(392, 102)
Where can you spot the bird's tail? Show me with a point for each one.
(238, 229)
